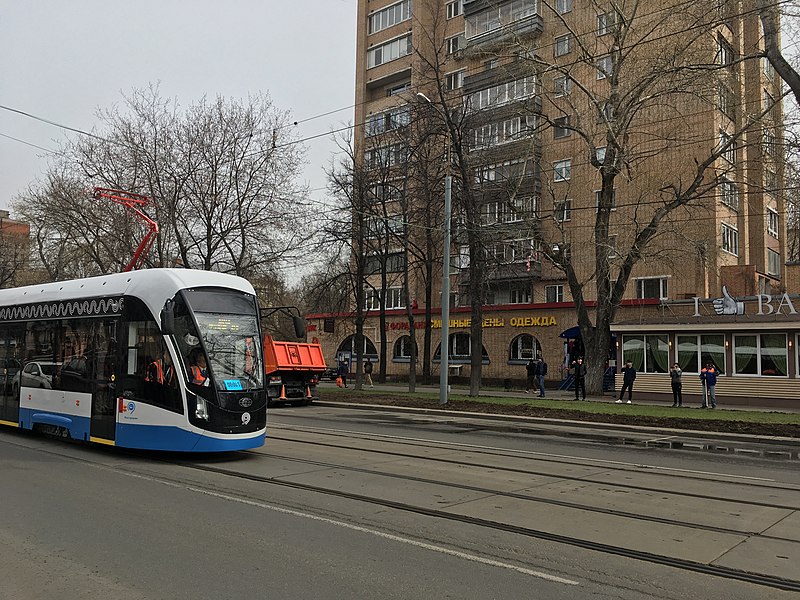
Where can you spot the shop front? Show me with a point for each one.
(752, 343)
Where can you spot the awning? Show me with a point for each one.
(571, 333)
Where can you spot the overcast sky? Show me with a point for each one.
(61, 60)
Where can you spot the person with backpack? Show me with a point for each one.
(368, 373)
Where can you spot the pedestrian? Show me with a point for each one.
(541, 371)
(343, 369)
(579, 375)
(628, 377)
(368, 372)
(530, 369)
(677, 386)
(708, 376)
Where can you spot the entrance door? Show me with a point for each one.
(11, 338)
(103, 374)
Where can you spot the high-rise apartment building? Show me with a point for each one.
(586, 140)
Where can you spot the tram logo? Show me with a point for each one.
(246, 402)
(126, 407)
(245, 418)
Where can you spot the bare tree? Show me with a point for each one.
(222, 177)
(769, 12)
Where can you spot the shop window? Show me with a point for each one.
(695, 351)
(648, 353)
(524, 348)
(764, 355)
(459, 349)
(401, 352)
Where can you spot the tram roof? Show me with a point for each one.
(153, 286)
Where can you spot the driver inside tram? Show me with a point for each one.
(198, 368)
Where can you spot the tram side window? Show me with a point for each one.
(150, 374)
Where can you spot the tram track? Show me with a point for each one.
(582, 479)
(663, 560)
(536, 499)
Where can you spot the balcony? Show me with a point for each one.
(490, 24)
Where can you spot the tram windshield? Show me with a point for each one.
(227, 342)
(234, 356)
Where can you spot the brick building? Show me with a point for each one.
(537, 98)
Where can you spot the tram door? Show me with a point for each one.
(11, 338)
(103, 374)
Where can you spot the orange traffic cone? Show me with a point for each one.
(308, 392)
(283, 393)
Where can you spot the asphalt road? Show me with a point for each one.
(343, 503)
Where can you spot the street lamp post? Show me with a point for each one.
(444, 362)
(445, 344)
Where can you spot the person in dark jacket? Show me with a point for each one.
(677, 385)
(344, 368)
(628, 377)
(541, 371)
(368, 373)
(579, 373)
(530, 369)
(708, 376)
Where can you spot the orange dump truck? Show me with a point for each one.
(293, 370)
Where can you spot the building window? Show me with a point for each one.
(520, 295)
(725, 56)
(389, 16)
(773, 263)
(767, 67)
(604, 66)
(773, 223)
(727, 147)
(455, 80)
(563, 6)
(389, 51)
(398, 89)
(553, 293)
(652, 287)
(503, 132)
(765, 355)
(386, 121)
(613, 199)
(730, 239)
(769, 143)
(726, 101)
(562, 85)
(402, 349)
(503, 93)
(729, 193)
(562, 210)
(385, 156)
(455, 8)
(770, 182)
(696, 351)
(563, 45)
(454, 44)
(648, 353)
(769, 100)
(498, 15)
(394, 298)
(524, 348)
(605, 23)
(510, 170)
(562, 170)
(459, 348)
(561, 127)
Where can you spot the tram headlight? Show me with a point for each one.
(202, 409)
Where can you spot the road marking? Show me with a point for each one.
(527, 452)
(375, 532)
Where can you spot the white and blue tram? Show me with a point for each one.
(108, 360)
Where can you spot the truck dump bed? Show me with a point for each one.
(292, 356)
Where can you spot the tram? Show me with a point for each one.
(157, 359)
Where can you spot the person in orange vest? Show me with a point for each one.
(161, 370)
(708, 377)
(198, 369)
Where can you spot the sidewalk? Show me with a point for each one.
(609, 397)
